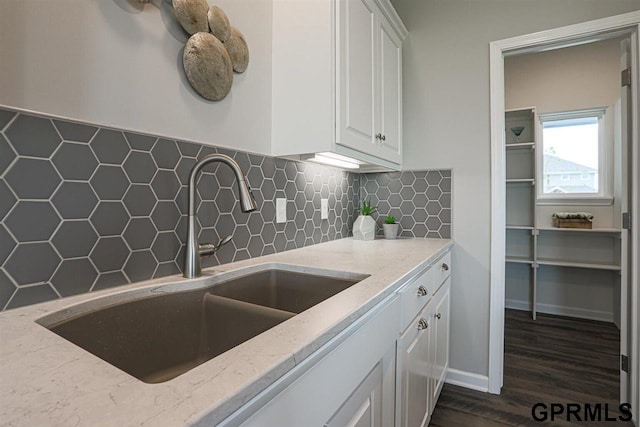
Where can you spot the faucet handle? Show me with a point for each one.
(208, 249)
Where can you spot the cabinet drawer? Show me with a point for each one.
(441, 270)
(415, 295)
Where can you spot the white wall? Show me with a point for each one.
(119, 63)
(446, 124)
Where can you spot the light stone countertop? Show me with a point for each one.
(46, 380)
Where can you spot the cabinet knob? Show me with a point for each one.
(438, 316)
(384, 138)
(445, 267)
(422, 291)
(379, 136)
(422, 324)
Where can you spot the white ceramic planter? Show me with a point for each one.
(390, 231)
(364, 228)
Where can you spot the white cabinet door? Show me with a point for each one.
(372, 404)
(357, 62)
(415, 372)
(390, 125)
(440, 338)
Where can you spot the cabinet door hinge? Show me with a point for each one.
(624, 363)
(626, 220)
(625, 77)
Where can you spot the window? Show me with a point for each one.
(574, 160)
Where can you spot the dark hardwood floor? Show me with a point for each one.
(551, 360)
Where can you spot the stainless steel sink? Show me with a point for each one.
(157, 337)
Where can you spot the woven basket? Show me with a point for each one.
(572, 223)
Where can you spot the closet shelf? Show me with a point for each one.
(520, 145)
(519, 227)
(583, 230)
(521, 181)
(575, 264)
(519, 260)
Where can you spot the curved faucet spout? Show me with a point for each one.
(192, 264)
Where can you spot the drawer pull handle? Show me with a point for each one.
(445, 267)
(438, 316)
(422, 291)
(422, 324)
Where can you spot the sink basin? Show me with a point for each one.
(157, 337)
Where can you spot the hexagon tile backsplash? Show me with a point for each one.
(84, 207)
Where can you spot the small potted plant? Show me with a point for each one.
(390, 228)
(364, 227)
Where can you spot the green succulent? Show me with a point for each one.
(366, 208)
(390, 220)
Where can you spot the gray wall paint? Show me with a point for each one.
(84, 208)
(446, 125)
(119, 63)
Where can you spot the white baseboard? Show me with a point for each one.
(467, 380)
(581, 313)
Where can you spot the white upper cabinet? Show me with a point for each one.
(369, 93)
(337, 80)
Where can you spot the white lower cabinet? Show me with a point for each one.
(381, 371)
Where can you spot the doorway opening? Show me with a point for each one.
(537, 253)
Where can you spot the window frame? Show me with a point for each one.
(604, 196)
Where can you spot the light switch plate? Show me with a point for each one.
(281, 210)
(324, 208)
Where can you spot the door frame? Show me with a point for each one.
(577, 34)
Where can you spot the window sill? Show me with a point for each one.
(575, 201)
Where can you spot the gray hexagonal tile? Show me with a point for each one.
(139, 167)
(226, 200)
(167, 269)
(32, 221)
(254, 176)
(445, 216)
(188, 148)
(445, 200)
(208, 214)
(77, 132)
(165, 185)
(255, 223)
(139, 200)
(207, 186)
(20, 263)
(241, 236)
(433, 223)
(165, 215)
(74, 239)
(110, 146)
(407, 178)
(7, 199)
(32, 178)
(7, 243)
(140, 233)
(32, 295)
(407, 193)
(445, 185)
(183, 170)
(420, 215)
(268, 232)
(74, 276)
(434, 192)
(433, 208)
(166, 246)
(7, 288)
(166, 154)
(420, 200)
(33, 136)
(140, 142)
(75, 200)
(109, 182)
(395, 186)
(109, 254)
(433, 177)
(225, 225)
(445, 231)
(420, 185)
(5, 117)
(75, 161)
(110, 280)
(109, 218)
(268, 189)
(255, 246)
(395, 200)
(420, 230)
(140, 266)
(6, 154)
(446, 173)
(406, 207)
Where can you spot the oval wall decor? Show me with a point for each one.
(208, 66)
(238, 50)
(219, 23)
(192, 15)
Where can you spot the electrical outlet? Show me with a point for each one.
(324, 208)
(281, 210)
